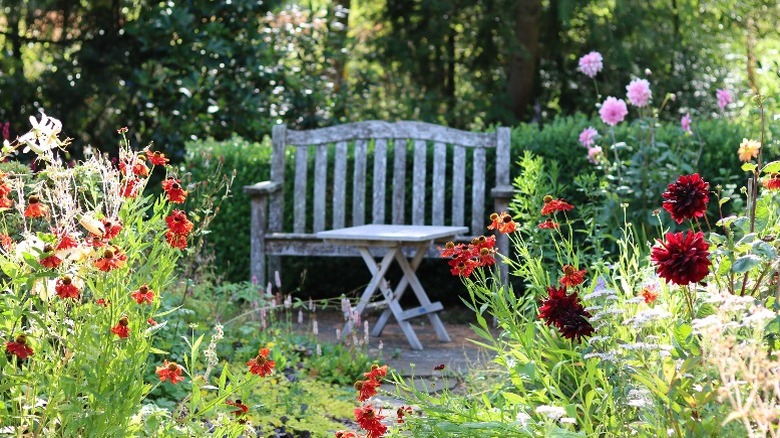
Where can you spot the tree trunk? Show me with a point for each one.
(522, 64)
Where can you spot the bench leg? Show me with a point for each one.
(441, 331)
(379, 276)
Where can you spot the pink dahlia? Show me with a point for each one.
(683, 258)
(685, 122)
(591, 64)
(639, 92)
(724, 98)
(613, 111)
(594, 154)
(588, 136)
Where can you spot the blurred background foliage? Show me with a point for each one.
(213, 76)
(174, 71)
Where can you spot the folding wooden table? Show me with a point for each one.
(395, 238)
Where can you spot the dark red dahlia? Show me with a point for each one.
(683, 258)
(566, 313)
(687, 198)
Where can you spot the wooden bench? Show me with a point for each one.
(436, 170)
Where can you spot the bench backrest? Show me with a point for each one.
(438, 177)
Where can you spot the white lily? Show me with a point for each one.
(43, 135)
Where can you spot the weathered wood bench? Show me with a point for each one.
(438, 195)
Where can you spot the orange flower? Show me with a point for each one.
(170, 371)
(370, 421)
(6, 242)
(19, 347)
(377, 373)
(112, 258)
(174, 190)
(772, 182)
(151, 322)
(102, 302)
(554, 205)
(143, 295)
(157, 158)
(130, 187)
(178, 223)
(112, 228)
(346, 434)
(549, 224)
(138, 166)
(50, 261)
(649, 293)
(502, 222)
(121, 329)
(403, 411)
(65, 241)
(35, 208)
(748, 149)
(366, 389)
(6, 202)
(261, 365)
(176, 240)
(571, 276)
(66, 289)
(242, 408)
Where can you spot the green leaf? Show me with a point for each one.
(724, 200)
(772, 167)
(746, 263)
(765, 250)
(749, 167)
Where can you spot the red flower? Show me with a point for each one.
(242, 408)
(502, 222)
(450, 250)
(50, 261)
(121, 329)
(35, 208)
(157, 158)
(176, 194)
(6, 242)
(439, 367)
(683, 258)
(772, 182)
(554, 205)
(482, 249)
(112, 258)
(346, 434)
(402, 412)
(170, 371)
(112, 228)
(66, 289)
(65, 241)
(687, 198)
(370, 421)
(151, 322)
(6, 202)
(5, 188)
(549, 224)
(176, 240)
(377, 373)
(366, 389)
(138, 166)
(261, 365)
(462, 267)
(19, 348)
(130, 187)
(102, 302)
(178, 223)
(649, 293)
(143, 294)
(566, 313)
(571, 276)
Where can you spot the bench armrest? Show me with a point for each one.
(502, 192)
(263, 188)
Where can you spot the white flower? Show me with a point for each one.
(43, 135)
(552, 412)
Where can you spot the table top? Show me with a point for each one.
(393, 233)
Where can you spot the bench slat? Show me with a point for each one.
(380, 180)
(359, 184)
(320, 183)
(478, 193)
(399, 130)
(276, 204)
(339, 184)
(299, 202)
(439, 180)
(399, 181)
(422, 310)
(418, 183)
(458, 185)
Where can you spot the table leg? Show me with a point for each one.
(399, 291)
(379, 276)
(441, 331)
(393, 306)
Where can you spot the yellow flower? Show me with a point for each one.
(748, 149)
